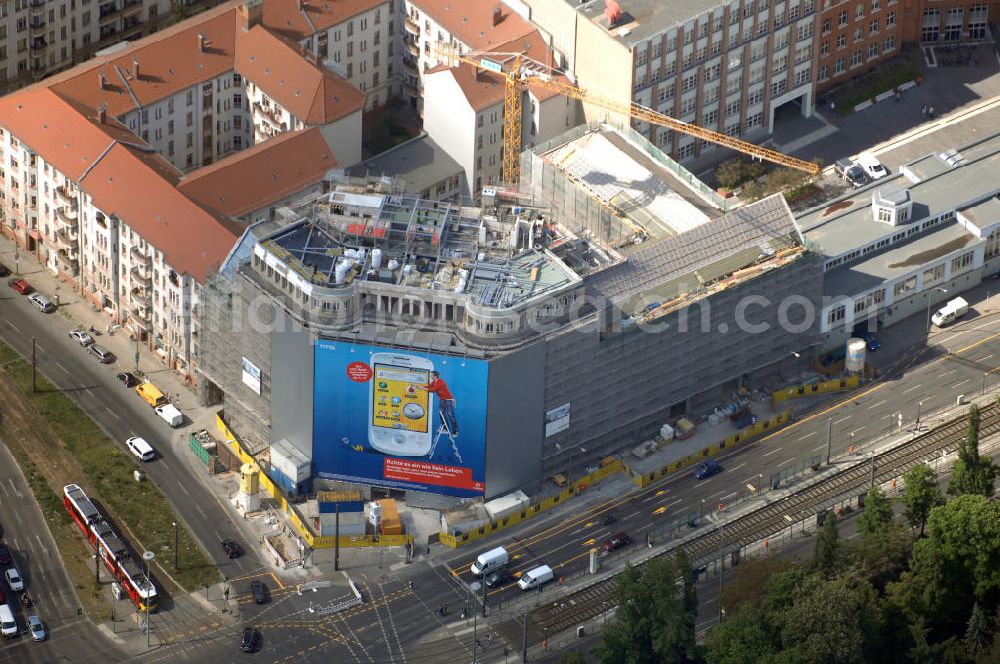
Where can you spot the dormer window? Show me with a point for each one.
(892, 205)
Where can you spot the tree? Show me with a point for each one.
(751, 584)
(734, 172)
(574, 657)
(921, 495)
(978, 632)
(972, 473)
(829, 621)
(825, 558)
(877, 515)
(655, 619)
(747, 636)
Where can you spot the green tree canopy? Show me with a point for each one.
(921, 495)
(972, 473)
(877, 514)
(825, 557)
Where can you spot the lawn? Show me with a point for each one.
(69, 447)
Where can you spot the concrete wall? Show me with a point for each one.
(603, 68)
(514, 421)
(451, 123)
(292, 386)
(621, 387)
(344, 138)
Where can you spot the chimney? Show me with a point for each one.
(102, 113)
(135, 65)
(102, 80)
(251, 13)
(202, 42)
(497, 15)
(612, 12)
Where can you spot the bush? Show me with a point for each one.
(735, 172)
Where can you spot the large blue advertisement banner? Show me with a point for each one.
(399, 419)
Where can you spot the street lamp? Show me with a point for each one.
(148, 557)
(175, 545)
(929, 293)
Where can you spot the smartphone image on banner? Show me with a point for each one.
(399, 419)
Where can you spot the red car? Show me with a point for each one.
(617, 541)
(20, 285)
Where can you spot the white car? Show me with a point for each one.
(14, 579)
(872, 166)
(81, 337)
(142, 450)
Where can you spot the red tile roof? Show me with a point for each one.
(298, 19)
(261, 175)
(312, 93)
(471, 21)
(193, 240)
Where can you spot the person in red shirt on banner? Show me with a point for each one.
(446, 401)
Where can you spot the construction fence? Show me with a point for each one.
(288, 508)
(823, 387)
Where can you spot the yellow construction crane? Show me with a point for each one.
(518, 70)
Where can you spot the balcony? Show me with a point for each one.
(38, 71)
(37, 7)
(39, 44)
(37, 26)
(411, 84)
(410, 67)
(142, 278)
(66, 240)
(141, 298)
(63, 195)
(140, 257)
(413, 48)
(140, 318)
(411, 27)
(67, 215)
(68, 262)
(131, 8)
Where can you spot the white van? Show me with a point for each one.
(491, 561)
(950, 312)
(8, 626)
(140, 449)
(170, 414)
(535, 577)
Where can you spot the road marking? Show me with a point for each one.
(784, 462)
(201, 511)
(858, 429)
(181, 485)
(673, 502)
(737, 467)
(947, 373)
(774, 451)
(164, 464)
(983, 359)
(635, 513)
(62, 368)
(728, 495)
(752, 477)
(277, 580)
(910, 389)
(842, 419)
(876, 405)
(817, 449)
(812, 433)
(12, 325)
(111, 413)
(960, 384)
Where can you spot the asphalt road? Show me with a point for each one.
(72, 637)
(122, 413)
(563, 541)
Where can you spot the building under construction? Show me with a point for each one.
(370, 337)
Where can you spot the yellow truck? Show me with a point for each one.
(151, 394)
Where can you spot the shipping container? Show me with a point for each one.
(291, 465)
(504, 506)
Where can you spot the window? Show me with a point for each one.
(842, 19)
(933, 275)
(685, 152)
(733, 108)
(755, 121)
(755, 97)
(856, 59)
(824, 48)
(903, 287)
(873, 50)
(992, 247)
(962, 263)
(710, 119)
(873, 28)
(839, 67)
(836, 314)
(890, 44)
(890, 19)
(826, 26)
(778, 87)
(859, 12)
(859, 34)
(803, 76)
(841, 41)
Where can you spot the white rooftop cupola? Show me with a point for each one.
(892, 205)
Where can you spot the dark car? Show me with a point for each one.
(4, 554)
(617, 541)
(248, 640)
(259, 591)
(851, 172)
(128, 379)
(20, 285)
(497, 578)
(4, 270)
(231, 548)
(706, 469)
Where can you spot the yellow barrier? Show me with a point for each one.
(824, 387)
(643, 480)
(312, 540)
(577, 487)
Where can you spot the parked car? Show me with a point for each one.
(4, 270)
(14, 579)
(873, 167)
(140, 449)
(248, 640)
(37, 629)
(706, 469)
(851, 172)
(4, 554)
(617, 541)
(103, 355)
(20, 285)
(44, 304)
(869, 338)
(259, 591)
(128, 379)
(81, 337)
(231, 548)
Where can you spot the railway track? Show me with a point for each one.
(592, 601)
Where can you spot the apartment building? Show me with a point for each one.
(464, 113)
(464, 26)
(356, 38)
(93, 179)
